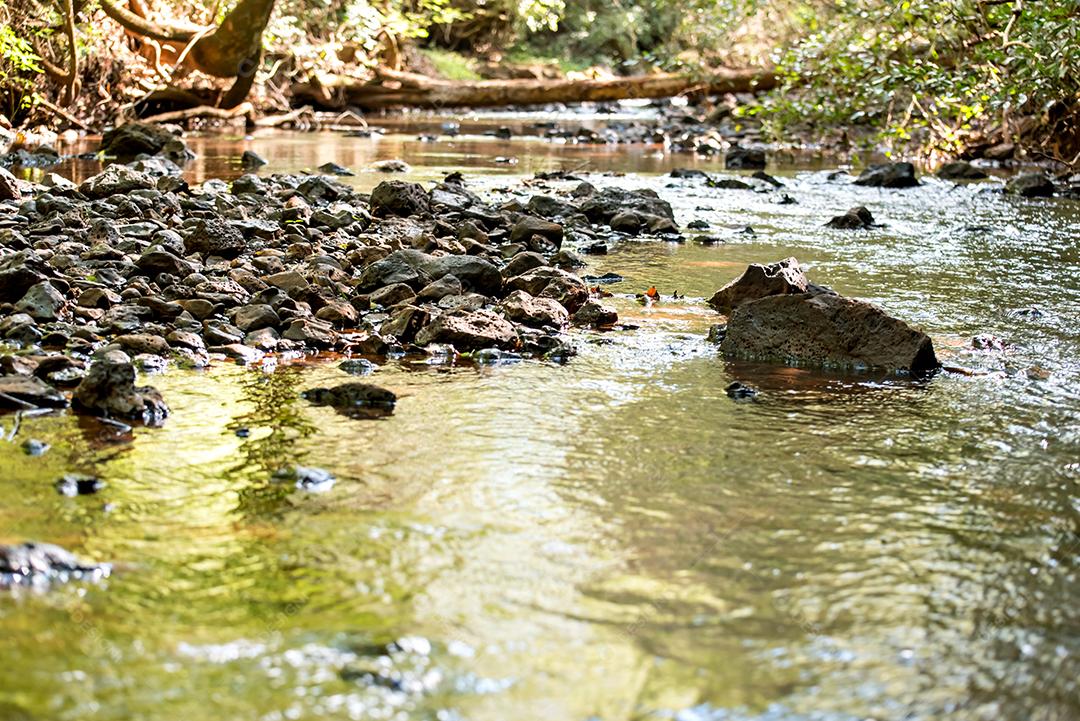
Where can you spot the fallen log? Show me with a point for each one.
(393, 88)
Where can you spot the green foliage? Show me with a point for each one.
(451, 65)
(927, 69)
(19, 65)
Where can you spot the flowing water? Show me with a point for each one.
(610, 539)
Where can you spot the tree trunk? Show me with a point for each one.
(231, 50)
(392, 88)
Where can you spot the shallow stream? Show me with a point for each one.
(613, 538)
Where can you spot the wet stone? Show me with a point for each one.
(354, 399)
(306, 478)
(73, 485)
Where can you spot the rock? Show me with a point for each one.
(18, 392)
(960, 170)
(306, 478)
(74, 484)
(825, 330)
(109, 390)
(729, 184)
(9, 186)
(338, 313)
(857, 218)
(16, 280)
(523, 263)
(605, 204)
(759, 281)
(401, 266)
(470, 331)
(405, 323)
(335, 169)
(564, 287)
(740, 391)
(316, 333)
(390, 166)
(738, 158)
(398, 293)
(397, 197)
(249, 159)
(357, 366)
(41, 302)
(529, 225)
(115, 179)
(35, 447)
(211, 236)
(353, 399)
(439, 289)
(143, 343)
(290, 281)
(242, 353)
(475, 274)
(156, 261)
(889, 175)
(521, 307)
(596, 314)
(133, 139)
(1030, 185)
(42, 563)
(255, 317)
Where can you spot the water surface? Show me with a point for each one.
(610, 539)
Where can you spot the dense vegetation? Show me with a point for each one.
(935, 74)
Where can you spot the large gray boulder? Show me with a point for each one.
(825, 330)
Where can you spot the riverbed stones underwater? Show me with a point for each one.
(134, 268)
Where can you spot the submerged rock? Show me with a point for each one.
(42, 563)
(250, 160)
(109, 390)
(1031, 185)
(353, 399)
(306, 478)
(740, 391)
(131, 139)
(960, 170)
(857, 218)
(738, 158)
(390, 166)
(889, 175)
(74, 484)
